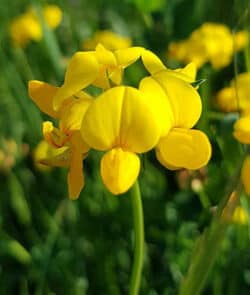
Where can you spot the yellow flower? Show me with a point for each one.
(241, 39)
(27, 27)
(240, 216)
(99, 68)
(45, 151)
(212, 43)
(52, 16)
(108, 39)
(236, 97)
(242, 130)
(67, 139)
(245, 175)
(177, 100)
(121, 123)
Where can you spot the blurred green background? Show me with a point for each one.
(51, 245)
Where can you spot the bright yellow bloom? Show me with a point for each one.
(122, 123)
(52, 16)
(236, 97)
(212, 43)
(99, 68)
(245, 175)
(67, 139)
(178, 147)
(27, 27)
(242, 130)
(45, 151)
(240, 216)
(108, 39)
(24, 29)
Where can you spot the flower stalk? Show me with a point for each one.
(138, 239)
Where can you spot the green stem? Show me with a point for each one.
(205, 92)
(138, 240)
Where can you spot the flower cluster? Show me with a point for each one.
(108, 39)
(235, 97)
(123, 121)
(27, 27)
(212, 43)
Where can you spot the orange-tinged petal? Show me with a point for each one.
(82, 70)
(184, 148)
(53, 135)
(120, 117)
(72, 116)
(42, 94)
(184, 99)
(242, 130)
(75, 175)
(245, 175)
(119, 170)
(78, 144)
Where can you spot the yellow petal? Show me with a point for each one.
(116, 75)
(75, 175)
(120, 117)
(72, 116)
(105, 56)
(245, 175)
(128, 56)
(82, 70)
(242, 130)
(151, 62)
(184, 99)
(56, 157)
(184, 148)
(163, 161)
(119, 170)
(42, 94)
(158, 103)
(78, 144)
(188, 73)
(53, 135)
(102, 80)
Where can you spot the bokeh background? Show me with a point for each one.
(51, 245)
